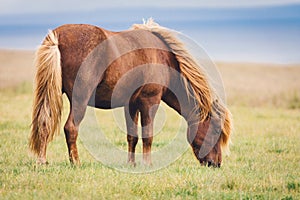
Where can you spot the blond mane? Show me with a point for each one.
(189, 68)
(195, 81)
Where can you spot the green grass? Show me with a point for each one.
(263, 164)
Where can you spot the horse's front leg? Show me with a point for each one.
(131, 116)
(148, 111)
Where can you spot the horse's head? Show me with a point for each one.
(205, 139)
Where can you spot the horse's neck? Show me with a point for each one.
(180, 100)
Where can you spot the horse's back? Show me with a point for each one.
(130, 49)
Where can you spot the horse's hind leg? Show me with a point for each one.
(131, 116)
(71, 132)
(42, 154)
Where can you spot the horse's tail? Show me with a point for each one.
(47, 103)
(194, 79)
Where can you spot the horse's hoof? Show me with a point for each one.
(75, 163)
(41, 161)
(147, 164)
(132, 164)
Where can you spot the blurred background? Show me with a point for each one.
(238, 31)
(256, 47)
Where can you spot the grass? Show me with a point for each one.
(263, 164)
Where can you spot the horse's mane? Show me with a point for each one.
(189, 68)
(195, 80)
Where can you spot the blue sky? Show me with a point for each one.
(55, 12)
(40, 6)
(234, 30)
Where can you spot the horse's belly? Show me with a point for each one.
(105, 98)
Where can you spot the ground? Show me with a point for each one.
(263, 164)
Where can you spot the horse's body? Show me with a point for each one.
(135, 70)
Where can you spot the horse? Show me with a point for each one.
(85, 62)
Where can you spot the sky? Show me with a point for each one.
(39, 6)
(246, 30)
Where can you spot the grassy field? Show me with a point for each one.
(264, 162)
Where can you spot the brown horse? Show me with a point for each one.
(86, 62)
